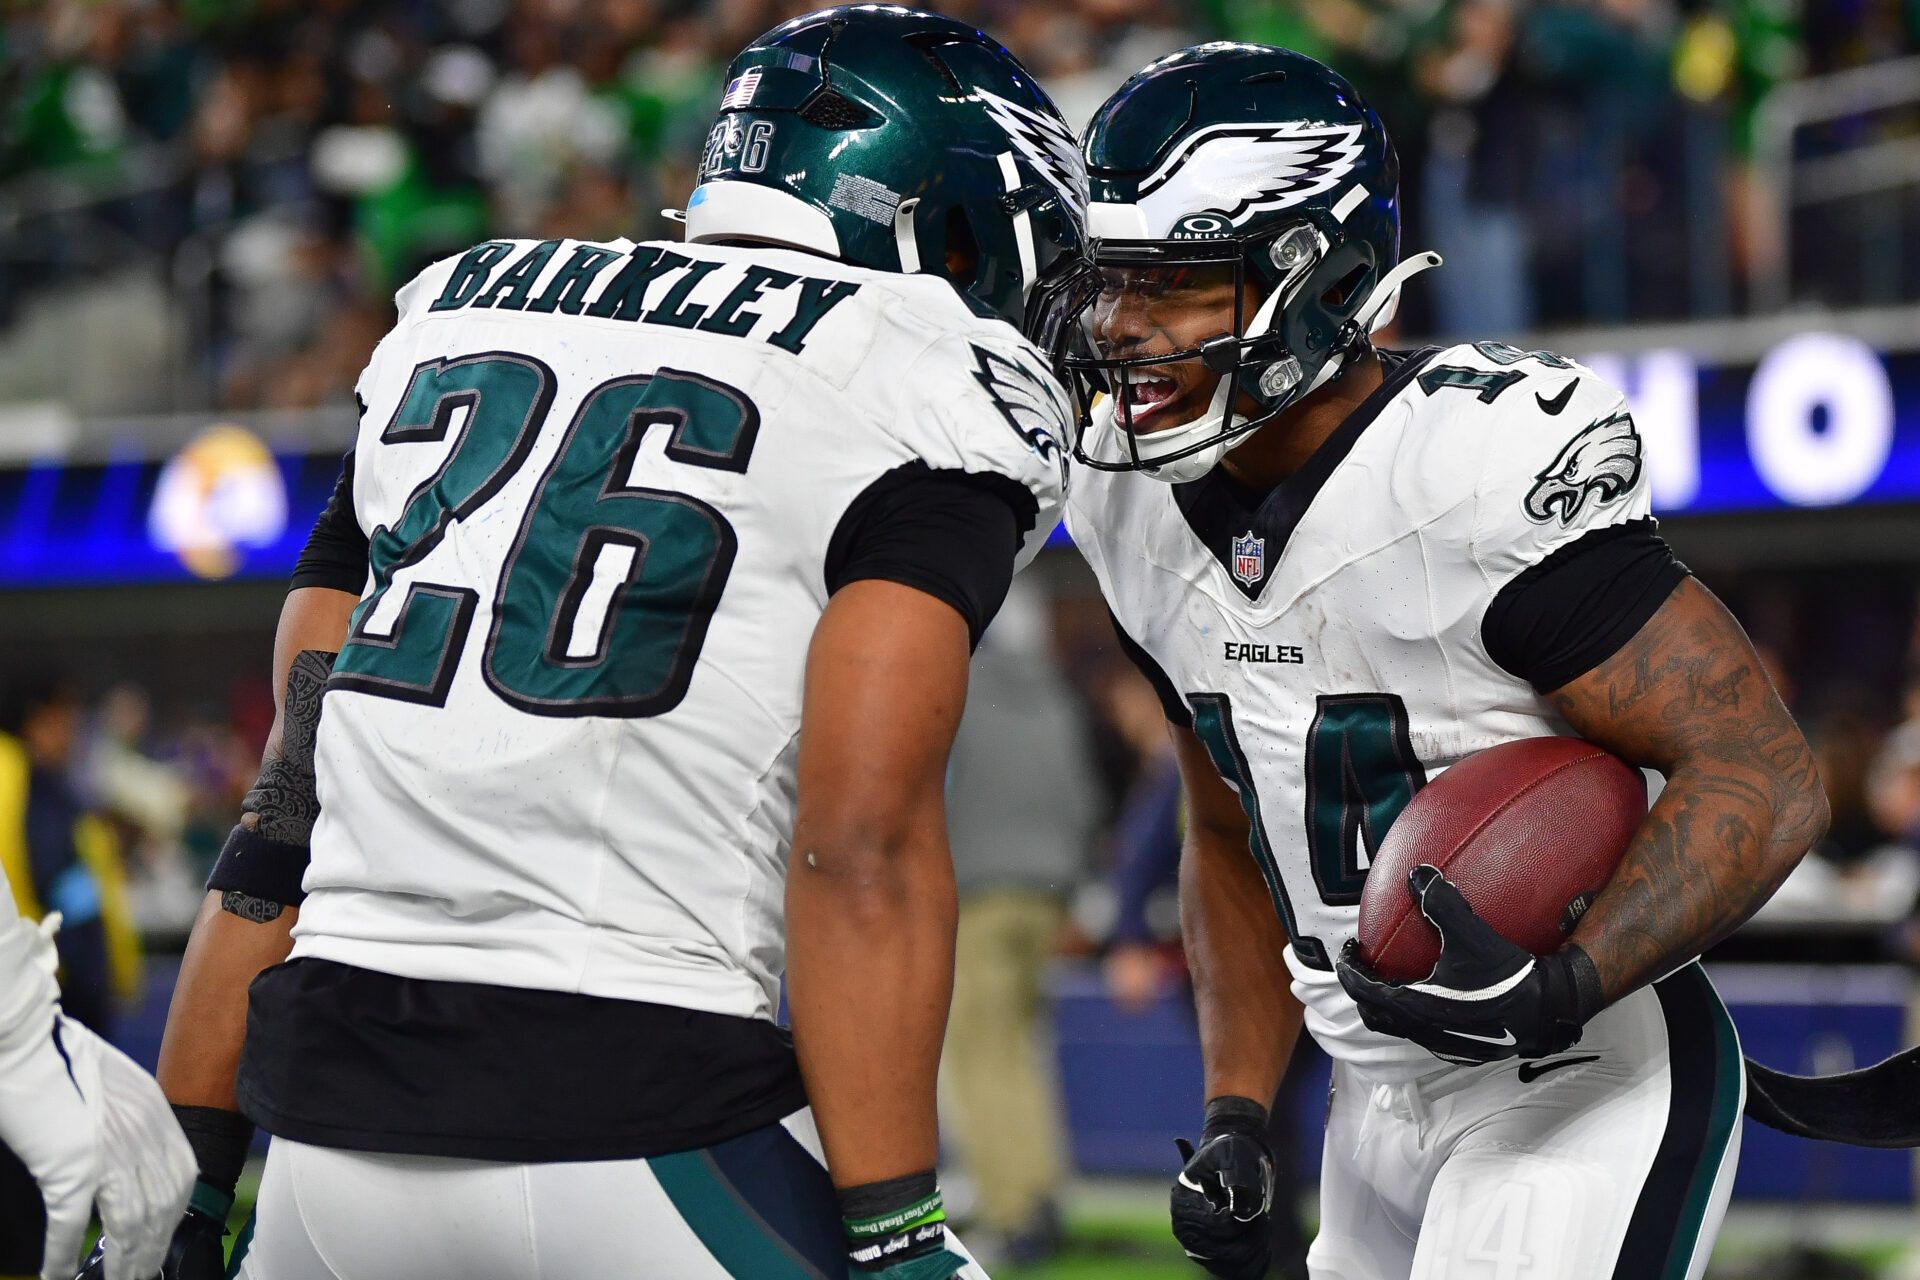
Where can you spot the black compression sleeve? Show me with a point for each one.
(336, 552)
(1575, 609)
(952, 534)
(1170, 702)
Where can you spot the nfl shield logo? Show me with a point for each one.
(1249, 558)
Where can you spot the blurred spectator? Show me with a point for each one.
(59, 855)
(1844, 746)
(1893, 784)
(1476, 151)
(150, 801)
(1021, 802)
(1145, 846)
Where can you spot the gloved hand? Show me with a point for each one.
(1222, 1197)
(197, 1251)
(87, 1123)
(897, 1230)
(1486, 998)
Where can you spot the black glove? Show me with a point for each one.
(1221, 1198)
(1486, 999)
(197, 1251)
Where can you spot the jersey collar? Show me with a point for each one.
(1247, 533)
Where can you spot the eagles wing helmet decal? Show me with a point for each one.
(1047, 144)
(1243, 169)
(1603, 460)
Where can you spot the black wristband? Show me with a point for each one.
(1589, 994)
(876, 1199)
(1234, 1114)
(252, 864)
(220, 1140)
(893, 1222)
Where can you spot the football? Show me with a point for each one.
(1530, 831)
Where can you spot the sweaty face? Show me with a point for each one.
(1147, 311)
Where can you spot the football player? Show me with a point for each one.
(1344, 568)
(643, 613)
(82, 1122)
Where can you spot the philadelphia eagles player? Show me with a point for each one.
(1345, 568)
(652, 577)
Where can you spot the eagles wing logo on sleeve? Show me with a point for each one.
(1046, 143)
(1239, 170)
(1029, 402)
(1602, 461)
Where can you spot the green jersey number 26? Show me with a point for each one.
(605, 597)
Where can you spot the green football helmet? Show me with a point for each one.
(1254, 177)
(903, 141)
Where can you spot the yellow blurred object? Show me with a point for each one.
(99, 851)
(1704, 58)
(15, 769)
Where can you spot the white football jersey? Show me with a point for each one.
(1327, 645)
(600, 482)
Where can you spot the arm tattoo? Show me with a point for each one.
(1742, 804)
(248, 907)
(283, 803)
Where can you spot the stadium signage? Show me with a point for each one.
(1819, 420)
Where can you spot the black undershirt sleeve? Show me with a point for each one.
(1170, 702)
(952, 534)
(1578, 607)
(336, 552)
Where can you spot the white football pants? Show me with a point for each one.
(1612, 1161)
(758, 1207)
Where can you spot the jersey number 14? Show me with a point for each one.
(1361, 771)
(605, 596)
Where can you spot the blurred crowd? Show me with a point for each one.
(286, 163)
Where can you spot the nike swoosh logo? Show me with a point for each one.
(1531, 1071)
(1559, 402)
(1505, 1037)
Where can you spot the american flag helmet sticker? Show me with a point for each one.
(740, 92)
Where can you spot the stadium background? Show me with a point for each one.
(206, 204)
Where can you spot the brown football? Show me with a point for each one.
(1530, 831)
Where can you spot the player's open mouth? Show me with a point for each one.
(1146, 392)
